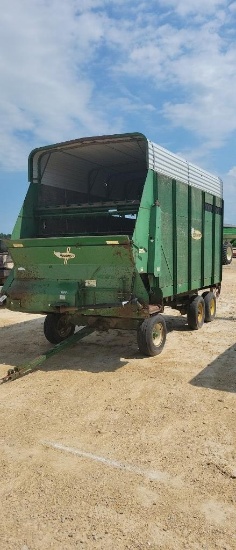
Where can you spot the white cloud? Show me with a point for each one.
(187, 7)
(232, 7)
(229, 182)
(196, 63)
(70, 68)
(232, 172)
(45, 88)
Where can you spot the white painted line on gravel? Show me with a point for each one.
(152, 475)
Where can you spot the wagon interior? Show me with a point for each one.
(90, 187)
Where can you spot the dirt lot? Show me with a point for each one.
(103, 449)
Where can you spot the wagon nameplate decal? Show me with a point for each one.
(90, 282)
(112, 242)
(196, 234)
(68, 255)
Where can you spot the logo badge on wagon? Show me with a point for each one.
(68, 255)
(196, 234)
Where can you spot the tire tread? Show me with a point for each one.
(50, 331)
(144, 336)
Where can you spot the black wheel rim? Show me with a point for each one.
(63, 328)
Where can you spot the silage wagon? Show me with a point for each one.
(112, 230)
(229, 243)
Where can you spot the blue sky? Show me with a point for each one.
(76, 68)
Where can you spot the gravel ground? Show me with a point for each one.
(104, 449)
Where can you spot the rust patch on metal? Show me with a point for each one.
(155, 309)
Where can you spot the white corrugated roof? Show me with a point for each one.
(163, 161)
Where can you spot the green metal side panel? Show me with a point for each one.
(166, 279)
(191, 238)
(26, 223)
(181, 272)
(74, 271)
(196, 236)
(218, 241)
(141, 231)
(147, 233)
(209, 241)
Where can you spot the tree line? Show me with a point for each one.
(5, 235)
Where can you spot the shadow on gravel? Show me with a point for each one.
(101, 351)
(104, 351)
(220, 374)
(23, 342)
(20, 341)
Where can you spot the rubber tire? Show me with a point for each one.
(193, 313)
(145, 336)
(208, 297)
(52, 330)
(227, 250)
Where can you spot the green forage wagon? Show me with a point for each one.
(112, 230)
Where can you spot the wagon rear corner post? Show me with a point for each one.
(113, 229)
